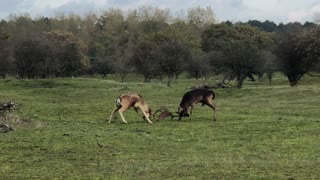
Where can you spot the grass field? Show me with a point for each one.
(262, 132)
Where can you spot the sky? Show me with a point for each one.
(233, 10)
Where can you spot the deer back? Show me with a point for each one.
(194, 96)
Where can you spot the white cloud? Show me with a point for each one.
(315, 9)
(261, 4)
(40, 4)
(297, 15)
(304, 14)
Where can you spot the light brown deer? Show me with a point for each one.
(135, 100)
(193, 97)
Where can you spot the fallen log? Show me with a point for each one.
(214, 86)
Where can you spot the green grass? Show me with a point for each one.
(262, 132)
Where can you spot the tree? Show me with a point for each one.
(68, 54)
(102, 67)
(145, 59)
(123, 68)
(112, 40)
(5, 61)
(268, 64)
(20, 26)
(201, 17)
(267, 26)
(174, 54)
(298, 52)
(199, 66)
(194, 66)
(240, 44)
(30, 58)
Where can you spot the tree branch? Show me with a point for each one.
(313, 75)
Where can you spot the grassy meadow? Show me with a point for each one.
(263, 132)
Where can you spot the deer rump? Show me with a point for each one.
(193, 97)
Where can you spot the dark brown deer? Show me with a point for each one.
(127, 100)
(193, 97)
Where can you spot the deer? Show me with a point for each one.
(128, 100)
(193, 97)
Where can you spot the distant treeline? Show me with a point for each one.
(156, 44)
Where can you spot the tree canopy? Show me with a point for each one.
(156, 43)
(241, 46)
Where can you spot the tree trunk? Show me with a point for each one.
(293, 79)
(147, 78)
(269, 75)
(170, 79)
(240, 79)
(123, 75)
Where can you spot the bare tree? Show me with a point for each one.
(174, 56)
(201, 17)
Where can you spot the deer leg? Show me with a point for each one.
(192, 106)
(145, 115)
(111, 116)
(212, 106)
(122, 117)
(171, 115)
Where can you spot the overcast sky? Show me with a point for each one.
(233, 10)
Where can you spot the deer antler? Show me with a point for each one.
(164, 112)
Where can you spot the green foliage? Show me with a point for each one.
(145, 59)
(267, 26)
(30, 56)
(298, 50)
(173, 56)
(217, 37)
(309, 46)
(240, 45)
(161, 53)
(3, 36)
(102, 67)
(220, 37)
(262, 132)
(5, 61)
(70, 53)
(199, 67)
(201, 16)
